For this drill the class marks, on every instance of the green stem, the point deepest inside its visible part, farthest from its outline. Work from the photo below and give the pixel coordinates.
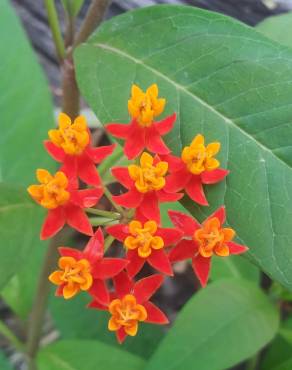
(108, 242)
(55, 28)
(108, 194)
(101, 212)
(8, 334)
(103, 221)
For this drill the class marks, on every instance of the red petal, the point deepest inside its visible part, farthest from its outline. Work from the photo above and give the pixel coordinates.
(195, 191)
(154, 314)
(53, 223)
(159, 260)
(69, 167)
(97, 306)
(121, 335)
(122, 175)
(235, 248)
(131, 199)
(201, 266)
(145, 288)
(55, 152)
(119, 130)
(59, 291)
(86, 198)
(77, 219)
(136, 263)
(185, 223)
(220, 214)
(154, 142)
(100, 153)
(135, 142)
(164, 126)
(212, 177)
(123, 284)
(70, 252)
(169, 236)
(87, 171)
(149, 207)
(174, 163)
(163, 196)
(177, 181)
(99, 292)
(184, 250)
(108, 267)
(119, 232)
(94, 248)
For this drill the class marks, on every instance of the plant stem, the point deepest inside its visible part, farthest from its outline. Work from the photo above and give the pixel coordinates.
(55, 28)
(108, 242)
(101, 212)
(8, 334)
(103, 221)
(93, 18)
(40, 303)
(108, 194)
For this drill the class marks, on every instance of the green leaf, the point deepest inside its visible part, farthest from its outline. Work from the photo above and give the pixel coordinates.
(276, 27)
(224, 79)
(26, 115)
(72, 7)
(4, 364)
(230, 317)
(92, 324)
(89, 355)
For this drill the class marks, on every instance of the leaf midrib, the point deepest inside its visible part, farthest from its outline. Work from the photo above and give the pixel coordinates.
(186, 91)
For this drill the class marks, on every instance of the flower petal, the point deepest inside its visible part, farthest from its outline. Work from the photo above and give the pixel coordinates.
(99, 292)
(95, 247)
(108, 267)
(184, 250)
(56, 153)
(98, 306)
(123, 177)
(119, 130)
(201, 266)
(154, 142)
(163, 196)
(136, 263)
(235, 248)
(119, 232)
(159, 260)
(145, 288)
(135, 142)
(220, 214)
(100, 153)
(121, 335)
(149, 207)
(165, 125)
(86, 198)
(123, 284)
(87, 171)
(212, 177)
(177, 181)
(154, 314)
(77, 219)
(170, 236)
(195, 191)
(131, 199)
(187, 224)
(70, 252)
(53, 223)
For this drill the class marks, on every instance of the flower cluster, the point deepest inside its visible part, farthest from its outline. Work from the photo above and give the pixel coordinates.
(155, 176)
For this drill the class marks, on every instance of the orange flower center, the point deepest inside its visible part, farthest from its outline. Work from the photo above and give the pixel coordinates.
(212, 238)
(126, 313)
(198, 157)
(71, 137)
(51, 193)
(143, 238)
(73, 275)
(147, 176)
(145, 106)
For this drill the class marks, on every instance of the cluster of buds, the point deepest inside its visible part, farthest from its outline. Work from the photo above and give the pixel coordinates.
(154, 177)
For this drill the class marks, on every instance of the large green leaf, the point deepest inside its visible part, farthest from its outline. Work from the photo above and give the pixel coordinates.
(225, 80)
(220, 326)
(89, 355)
(26, 115)
(276, 27)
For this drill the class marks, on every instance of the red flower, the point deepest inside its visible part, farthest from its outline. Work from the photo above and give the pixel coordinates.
(146, 241)
(143, 132)
(130, 304)
(86, 270)
(71, 145)
(64, 202)
(195, 168)
(203, 241)
(146, 186)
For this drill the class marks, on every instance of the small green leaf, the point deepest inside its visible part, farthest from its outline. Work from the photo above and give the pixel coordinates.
(222, 325)
(225, 80)
(85, 354)
(276, 27)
